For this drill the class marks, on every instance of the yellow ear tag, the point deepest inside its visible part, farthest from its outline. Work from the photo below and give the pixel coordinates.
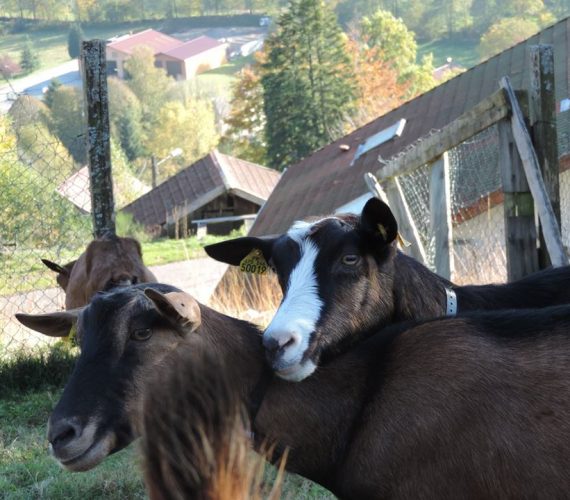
(382, 231)
(403, 242)
(72, 335)
(254, 263)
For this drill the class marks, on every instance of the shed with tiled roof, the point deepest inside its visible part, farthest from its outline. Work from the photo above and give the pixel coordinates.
(216, 187)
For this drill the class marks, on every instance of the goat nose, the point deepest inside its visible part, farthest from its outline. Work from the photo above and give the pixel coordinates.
(283, 341)
(63, 432)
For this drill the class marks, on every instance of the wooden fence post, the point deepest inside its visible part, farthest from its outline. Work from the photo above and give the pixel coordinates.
(440, 217)
(520, 226)
(531, 167)
(94, 69)
(542, 117)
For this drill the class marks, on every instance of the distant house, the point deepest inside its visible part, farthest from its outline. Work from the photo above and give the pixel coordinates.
(216, 194)
(181, 60)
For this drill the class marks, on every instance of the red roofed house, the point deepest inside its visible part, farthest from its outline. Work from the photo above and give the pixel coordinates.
(181, 60)
(218, 192)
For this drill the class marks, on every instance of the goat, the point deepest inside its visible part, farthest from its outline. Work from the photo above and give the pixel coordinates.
(106, 262)
(342, 278)
(63, 272)
(194, 436)
(474, 406)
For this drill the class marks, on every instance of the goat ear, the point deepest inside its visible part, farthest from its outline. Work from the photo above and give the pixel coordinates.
(56, 267)
(234, 251)
(56, 324)
(179, 308)
(378, 219)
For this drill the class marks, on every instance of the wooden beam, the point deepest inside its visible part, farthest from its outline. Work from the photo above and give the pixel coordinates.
(542, 118)
(531, 167)
(518, 205)
(94, 68)
(406, 225)
(440, 217)
(482, 116)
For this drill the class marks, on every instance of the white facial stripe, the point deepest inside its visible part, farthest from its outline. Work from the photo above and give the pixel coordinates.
(300, 310)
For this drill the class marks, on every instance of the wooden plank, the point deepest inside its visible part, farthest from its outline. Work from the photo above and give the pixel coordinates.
(518, 205)
(483, 115)
(94, 67)
(531, 167)
(542, 117)
(440, 217)
(406, 225)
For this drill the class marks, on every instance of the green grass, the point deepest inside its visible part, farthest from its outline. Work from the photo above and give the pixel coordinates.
(27, 472)
(463, 52)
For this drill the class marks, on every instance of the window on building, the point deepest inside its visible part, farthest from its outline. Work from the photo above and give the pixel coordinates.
(173, 68)
(380, 138)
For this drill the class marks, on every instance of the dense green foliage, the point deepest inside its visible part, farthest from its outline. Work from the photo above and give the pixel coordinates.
(74, 39)
(29, 58)
(308, 83)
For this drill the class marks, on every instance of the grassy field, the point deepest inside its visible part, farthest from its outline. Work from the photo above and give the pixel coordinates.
(27, 471)
(463, 52)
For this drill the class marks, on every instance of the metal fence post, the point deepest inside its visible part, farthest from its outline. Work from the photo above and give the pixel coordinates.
(94, 68)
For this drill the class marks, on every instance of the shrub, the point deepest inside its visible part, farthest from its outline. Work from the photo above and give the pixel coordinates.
(8, 67)
(126, 225)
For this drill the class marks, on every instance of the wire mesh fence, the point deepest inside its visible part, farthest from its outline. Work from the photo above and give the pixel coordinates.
(42, 202)
(476, 204)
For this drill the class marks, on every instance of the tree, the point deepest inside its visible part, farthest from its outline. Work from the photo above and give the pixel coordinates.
(8, 67)
(27, 110)
(307, 81)
(189, 126)
(150, 84)
(504, 34)
(379, 88)
(54, 84)
(395, 45)
(67, 121)
(29, 58)
(246, 122)
(125, 114)
(74, 39)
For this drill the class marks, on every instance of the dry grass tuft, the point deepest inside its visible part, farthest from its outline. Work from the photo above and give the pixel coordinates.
(247, 296)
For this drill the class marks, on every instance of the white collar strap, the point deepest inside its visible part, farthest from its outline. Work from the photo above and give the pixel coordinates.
(451, 307)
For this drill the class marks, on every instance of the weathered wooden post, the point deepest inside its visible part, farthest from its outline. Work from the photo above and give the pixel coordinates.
(94, 68)
(531, 166)
(542, 118)
(520, 226)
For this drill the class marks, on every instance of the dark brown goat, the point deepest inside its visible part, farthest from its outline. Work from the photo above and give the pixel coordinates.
(194, 436)
(343, 278)
(466, 407)
(106, 262)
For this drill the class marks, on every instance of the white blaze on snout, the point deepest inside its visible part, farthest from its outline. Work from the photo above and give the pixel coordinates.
(298, 314)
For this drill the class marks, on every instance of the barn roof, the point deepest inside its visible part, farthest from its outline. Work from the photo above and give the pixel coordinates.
(156, 41)
(202, 182)
(192, 48)
(333, 176)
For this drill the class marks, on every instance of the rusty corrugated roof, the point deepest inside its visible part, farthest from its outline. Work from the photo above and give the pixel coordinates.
(324, 180)
(200, 183)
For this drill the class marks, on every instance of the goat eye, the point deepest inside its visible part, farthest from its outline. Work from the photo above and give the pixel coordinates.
(350, 260)
(141, 334)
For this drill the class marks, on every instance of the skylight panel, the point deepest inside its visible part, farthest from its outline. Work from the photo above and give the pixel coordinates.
(380, 138)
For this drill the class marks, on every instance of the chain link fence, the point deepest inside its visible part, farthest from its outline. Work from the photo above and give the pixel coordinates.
(43, 196)
(477, 211)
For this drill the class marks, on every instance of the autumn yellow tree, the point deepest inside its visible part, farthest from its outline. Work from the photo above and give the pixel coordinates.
(379, 88)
